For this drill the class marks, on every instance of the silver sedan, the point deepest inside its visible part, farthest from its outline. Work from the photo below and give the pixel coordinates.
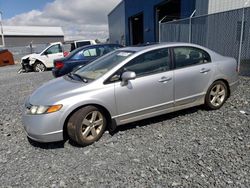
(128, 85)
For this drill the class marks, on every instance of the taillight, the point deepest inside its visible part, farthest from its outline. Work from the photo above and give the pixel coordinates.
(58, 64)
(65, 53)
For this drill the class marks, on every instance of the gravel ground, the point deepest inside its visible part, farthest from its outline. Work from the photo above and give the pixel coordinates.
(191, 148)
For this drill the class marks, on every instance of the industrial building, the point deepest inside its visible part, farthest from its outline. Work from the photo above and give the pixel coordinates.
(25, 35)
(136, 21)
(215, 6)
(133, 22)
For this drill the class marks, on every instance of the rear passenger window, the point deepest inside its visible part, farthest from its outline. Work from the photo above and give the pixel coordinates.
(149, 63)
(90, 53)
(94, 52)
(188, 56)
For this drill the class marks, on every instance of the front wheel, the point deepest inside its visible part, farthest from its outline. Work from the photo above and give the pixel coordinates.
(39, 67)
(216, 95)
(86, 125)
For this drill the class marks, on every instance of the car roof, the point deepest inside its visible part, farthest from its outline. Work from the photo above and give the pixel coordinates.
(147, 46)
(84, 41)
(92, 45)
(53, 43)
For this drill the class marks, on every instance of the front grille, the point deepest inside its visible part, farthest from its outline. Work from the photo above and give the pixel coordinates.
(25, 61)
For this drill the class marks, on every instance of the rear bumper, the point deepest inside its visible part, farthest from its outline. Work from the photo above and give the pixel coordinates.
(55, 73)
(58, 73)
(233, 86)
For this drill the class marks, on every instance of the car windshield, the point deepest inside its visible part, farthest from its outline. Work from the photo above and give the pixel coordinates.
(39, 48)
(99, 67)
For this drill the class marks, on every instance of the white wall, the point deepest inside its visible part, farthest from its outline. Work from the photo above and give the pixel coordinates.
(215, 6)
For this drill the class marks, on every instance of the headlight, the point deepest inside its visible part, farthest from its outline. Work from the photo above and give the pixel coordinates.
(32, 58)
(44, 109)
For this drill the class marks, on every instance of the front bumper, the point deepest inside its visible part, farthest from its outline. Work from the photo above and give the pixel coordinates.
(43, 128)
(26, 66)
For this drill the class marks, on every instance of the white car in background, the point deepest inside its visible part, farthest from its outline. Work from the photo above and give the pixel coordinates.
(39, 62)
(80, 43)
(42, 61)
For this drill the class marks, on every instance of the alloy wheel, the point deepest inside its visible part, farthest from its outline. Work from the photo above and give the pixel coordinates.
(217, 95)
(40, 67)
(92, 125)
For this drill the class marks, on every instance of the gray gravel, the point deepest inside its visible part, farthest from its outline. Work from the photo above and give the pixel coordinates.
(191, 148)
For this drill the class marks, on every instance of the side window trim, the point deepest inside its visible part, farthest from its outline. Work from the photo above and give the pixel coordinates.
(119, 71)
(166, 61)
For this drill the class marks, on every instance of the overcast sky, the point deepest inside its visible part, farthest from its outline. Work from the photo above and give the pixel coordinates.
(80, 19)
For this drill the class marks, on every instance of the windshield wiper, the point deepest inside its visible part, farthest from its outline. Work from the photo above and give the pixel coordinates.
(72, 75)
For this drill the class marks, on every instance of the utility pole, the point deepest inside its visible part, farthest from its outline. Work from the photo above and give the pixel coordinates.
(242, 33)
(1, 15)
(190, 27)
(160, 27)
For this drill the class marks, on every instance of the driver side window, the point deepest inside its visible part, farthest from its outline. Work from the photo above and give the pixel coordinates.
(152, 62)
(54, 49)
(149, 63)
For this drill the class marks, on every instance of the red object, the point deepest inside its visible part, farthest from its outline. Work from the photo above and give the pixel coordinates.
(6, 58)
(58, 64)
(65, 53)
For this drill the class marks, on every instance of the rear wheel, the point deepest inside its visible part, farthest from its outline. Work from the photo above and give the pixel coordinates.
(39, 67)
(216, 95)
(86, 125)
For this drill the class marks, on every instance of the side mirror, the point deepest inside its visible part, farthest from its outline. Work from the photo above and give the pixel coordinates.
(126, 76)
(45, 53)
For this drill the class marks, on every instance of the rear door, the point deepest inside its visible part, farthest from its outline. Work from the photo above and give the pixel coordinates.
(192, 75)
(151, 93)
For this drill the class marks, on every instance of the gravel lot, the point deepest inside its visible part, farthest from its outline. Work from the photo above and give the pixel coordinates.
(191, 148)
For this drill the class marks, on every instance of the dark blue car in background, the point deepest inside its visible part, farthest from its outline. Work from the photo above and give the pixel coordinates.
(80, 57)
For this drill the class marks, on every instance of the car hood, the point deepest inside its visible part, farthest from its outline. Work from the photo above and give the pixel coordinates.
(30, 55)
(55, 90)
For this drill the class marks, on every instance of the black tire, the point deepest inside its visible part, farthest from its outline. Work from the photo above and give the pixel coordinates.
(216, 95)
(83, 128)
(39, 67)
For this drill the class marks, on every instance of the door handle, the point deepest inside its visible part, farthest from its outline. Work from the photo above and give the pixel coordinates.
(164, 79)
(204, 70)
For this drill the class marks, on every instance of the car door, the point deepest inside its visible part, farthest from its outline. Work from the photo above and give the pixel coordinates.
(151, 93)
(52, 53)
(192, 75)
